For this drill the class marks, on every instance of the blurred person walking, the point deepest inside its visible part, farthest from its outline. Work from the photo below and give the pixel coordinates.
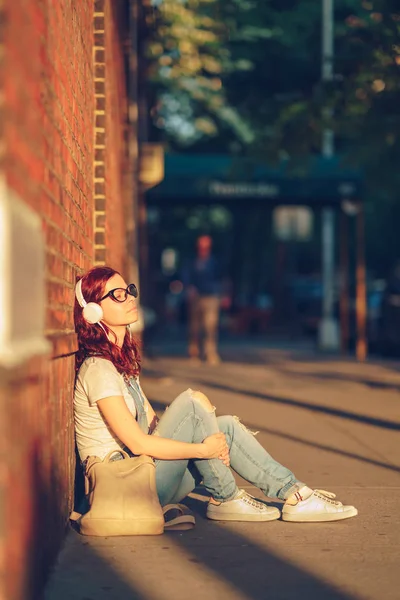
(202, 277)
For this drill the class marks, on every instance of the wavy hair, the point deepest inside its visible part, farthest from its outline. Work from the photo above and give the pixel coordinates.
(92, 339)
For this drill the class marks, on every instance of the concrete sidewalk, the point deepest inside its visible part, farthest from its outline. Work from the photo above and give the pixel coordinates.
(336, 424)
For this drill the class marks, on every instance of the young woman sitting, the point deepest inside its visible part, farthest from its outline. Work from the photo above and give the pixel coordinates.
(189, 443)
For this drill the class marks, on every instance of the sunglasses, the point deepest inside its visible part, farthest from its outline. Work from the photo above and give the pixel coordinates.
(121, 294)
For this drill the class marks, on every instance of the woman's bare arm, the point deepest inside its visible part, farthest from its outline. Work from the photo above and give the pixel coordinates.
(126, 428)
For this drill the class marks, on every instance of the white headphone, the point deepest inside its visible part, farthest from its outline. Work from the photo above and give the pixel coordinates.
(92, 312)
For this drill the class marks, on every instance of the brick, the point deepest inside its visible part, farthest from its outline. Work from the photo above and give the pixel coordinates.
(99, 56)
(99, 23)
(100, 204)
(99, 171)
(99, 155)
(100, 238)
(100, 138)
(100, 121)
(99, 255)
(99, 71)
(100, 221)
(99, 188)
(100, 103)
(100, 87)
(99, 39)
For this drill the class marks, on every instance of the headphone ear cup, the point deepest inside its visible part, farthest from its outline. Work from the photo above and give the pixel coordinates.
(92, 313)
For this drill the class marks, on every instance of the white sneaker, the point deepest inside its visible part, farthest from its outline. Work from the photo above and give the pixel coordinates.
(319, 506)
(242, 507)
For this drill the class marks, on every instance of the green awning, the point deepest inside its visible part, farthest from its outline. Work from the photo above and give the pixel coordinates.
(205, 178)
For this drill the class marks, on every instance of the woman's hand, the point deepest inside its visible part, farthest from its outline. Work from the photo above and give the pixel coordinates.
(225, 457)
(216, 447)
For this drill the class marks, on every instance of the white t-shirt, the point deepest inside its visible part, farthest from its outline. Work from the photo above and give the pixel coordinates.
(97, 379)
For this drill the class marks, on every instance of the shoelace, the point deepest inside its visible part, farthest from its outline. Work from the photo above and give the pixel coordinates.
(327, 497)
(251, 501)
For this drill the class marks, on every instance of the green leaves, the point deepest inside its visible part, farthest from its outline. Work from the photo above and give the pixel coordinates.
(192, 51)
(248, 73)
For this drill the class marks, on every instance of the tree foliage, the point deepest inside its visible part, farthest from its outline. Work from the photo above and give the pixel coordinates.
(367, 107)
(191, 54)
(244, 76)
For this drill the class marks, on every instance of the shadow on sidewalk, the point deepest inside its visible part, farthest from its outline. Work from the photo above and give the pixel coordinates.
(371, 383)
(81, 574)
(254, 571)
(303, 442)
(335, 412)
(232, 558)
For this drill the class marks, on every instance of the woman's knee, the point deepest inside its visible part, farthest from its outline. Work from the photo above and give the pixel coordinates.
(203, 400)
(191, 397)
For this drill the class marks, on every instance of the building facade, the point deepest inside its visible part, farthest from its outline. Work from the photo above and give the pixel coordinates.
(68, 163)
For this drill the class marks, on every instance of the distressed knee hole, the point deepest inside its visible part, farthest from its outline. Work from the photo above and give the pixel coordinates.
(239, 422)
(203, 400)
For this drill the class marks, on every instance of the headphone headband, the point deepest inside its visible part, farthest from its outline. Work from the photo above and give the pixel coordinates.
(79, 294)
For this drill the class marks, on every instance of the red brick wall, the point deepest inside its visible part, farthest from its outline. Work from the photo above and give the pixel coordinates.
(113, 190)
(48, 135)
(56, 89)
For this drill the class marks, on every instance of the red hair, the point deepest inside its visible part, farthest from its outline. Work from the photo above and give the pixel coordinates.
(92, 339)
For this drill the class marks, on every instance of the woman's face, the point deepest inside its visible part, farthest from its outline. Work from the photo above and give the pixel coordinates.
(118, 313)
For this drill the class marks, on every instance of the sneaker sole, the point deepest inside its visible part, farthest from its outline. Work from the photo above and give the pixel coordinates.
(243, 517)
(320, 518)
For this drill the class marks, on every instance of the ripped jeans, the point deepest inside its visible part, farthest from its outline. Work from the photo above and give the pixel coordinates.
(186, 420)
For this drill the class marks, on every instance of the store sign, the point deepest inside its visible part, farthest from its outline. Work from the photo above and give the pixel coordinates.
(243, 190)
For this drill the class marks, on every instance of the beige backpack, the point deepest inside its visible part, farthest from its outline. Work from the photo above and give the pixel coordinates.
(122, 497)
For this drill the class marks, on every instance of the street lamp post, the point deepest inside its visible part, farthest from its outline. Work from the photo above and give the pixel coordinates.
(328, 331)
